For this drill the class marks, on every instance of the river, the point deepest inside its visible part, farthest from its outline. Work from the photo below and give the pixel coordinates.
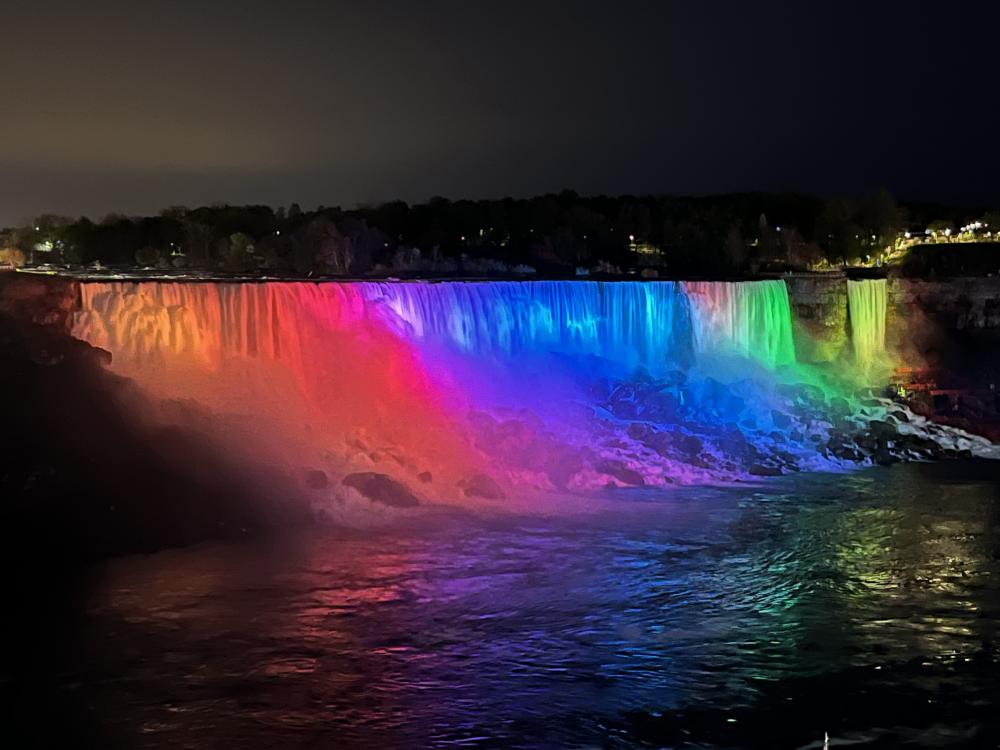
(863, 605)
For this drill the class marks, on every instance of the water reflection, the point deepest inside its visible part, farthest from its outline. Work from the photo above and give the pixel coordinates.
(863, 605)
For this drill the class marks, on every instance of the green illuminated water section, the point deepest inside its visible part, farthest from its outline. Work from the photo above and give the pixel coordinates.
(866, 301)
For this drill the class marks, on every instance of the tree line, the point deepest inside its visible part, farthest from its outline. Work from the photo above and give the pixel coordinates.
(555, 233)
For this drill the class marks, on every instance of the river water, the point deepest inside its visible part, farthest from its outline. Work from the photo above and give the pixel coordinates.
(864, 606)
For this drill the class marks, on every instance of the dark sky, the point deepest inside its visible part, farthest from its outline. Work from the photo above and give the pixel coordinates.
(130, 107)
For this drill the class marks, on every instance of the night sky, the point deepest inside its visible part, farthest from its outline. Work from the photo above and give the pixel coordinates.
(130, 107)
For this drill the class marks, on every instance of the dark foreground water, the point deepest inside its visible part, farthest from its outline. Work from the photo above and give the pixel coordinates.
(865, 606)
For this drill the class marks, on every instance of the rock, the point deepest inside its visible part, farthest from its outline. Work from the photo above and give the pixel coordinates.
(781, 420)
(933, 450)
(689, 445)
(811, 395)
(381, 488)
(660, 406)
(884, 457)
(839, 406)
(675, 377)
(866, 441)
(481, 485)
(640, 431)
(641, 375)
(716, 394)
(623, 402)
(426, 477)
(882, 429)
(621, 472)
(663, 442)
(317, 480)
(759, 470)
(900, 416)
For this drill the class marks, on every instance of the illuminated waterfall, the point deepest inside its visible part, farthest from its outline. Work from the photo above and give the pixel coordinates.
(655, 324)
(150, 322)
(866, 304)
(310, 366)
(629, 323)
(534, 381)
(750, 319)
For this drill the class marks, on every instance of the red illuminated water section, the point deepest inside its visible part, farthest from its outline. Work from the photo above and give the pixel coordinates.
(310, 374)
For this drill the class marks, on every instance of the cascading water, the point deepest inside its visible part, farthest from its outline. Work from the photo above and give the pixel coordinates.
(747, 319)
(866, 304)
(629, 323)
(536, 382)
(313, 369)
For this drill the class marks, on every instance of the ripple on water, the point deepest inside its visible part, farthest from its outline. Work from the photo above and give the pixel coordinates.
(863, 605)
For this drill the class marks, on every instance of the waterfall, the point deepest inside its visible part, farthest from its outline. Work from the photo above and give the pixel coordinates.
(149, 322)
(630, 323)
(750, 319)
(315, 369)
(534, 381)
(655, 324)
(866, 304)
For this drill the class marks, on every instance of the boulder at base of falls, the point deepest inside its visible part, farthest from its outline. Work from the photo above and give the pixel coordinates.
(621, 472)
(380, 488)
(481, 485)
(882, 429)
(884, 456)
(759, 470)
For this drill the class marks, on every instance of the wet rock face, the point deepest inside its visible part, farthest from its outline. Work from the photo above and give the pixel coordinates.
(621, 472)
(481, 485)
(726, 429)
(646, 430)
(881, 429)
(819, 307)
(381, 488)
(96, 465)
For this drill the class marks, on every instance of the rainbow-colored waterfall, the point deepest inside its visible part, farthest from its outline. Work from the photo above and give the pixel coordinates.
(547, 384)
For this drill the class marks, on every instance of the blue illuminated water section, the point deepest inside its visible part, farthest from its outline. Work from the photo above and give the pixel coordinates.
(655, 324)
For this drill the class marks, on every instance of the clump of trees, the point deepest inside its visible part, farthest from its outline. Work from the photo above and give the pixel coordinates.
(558, 233)
(12, 256)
